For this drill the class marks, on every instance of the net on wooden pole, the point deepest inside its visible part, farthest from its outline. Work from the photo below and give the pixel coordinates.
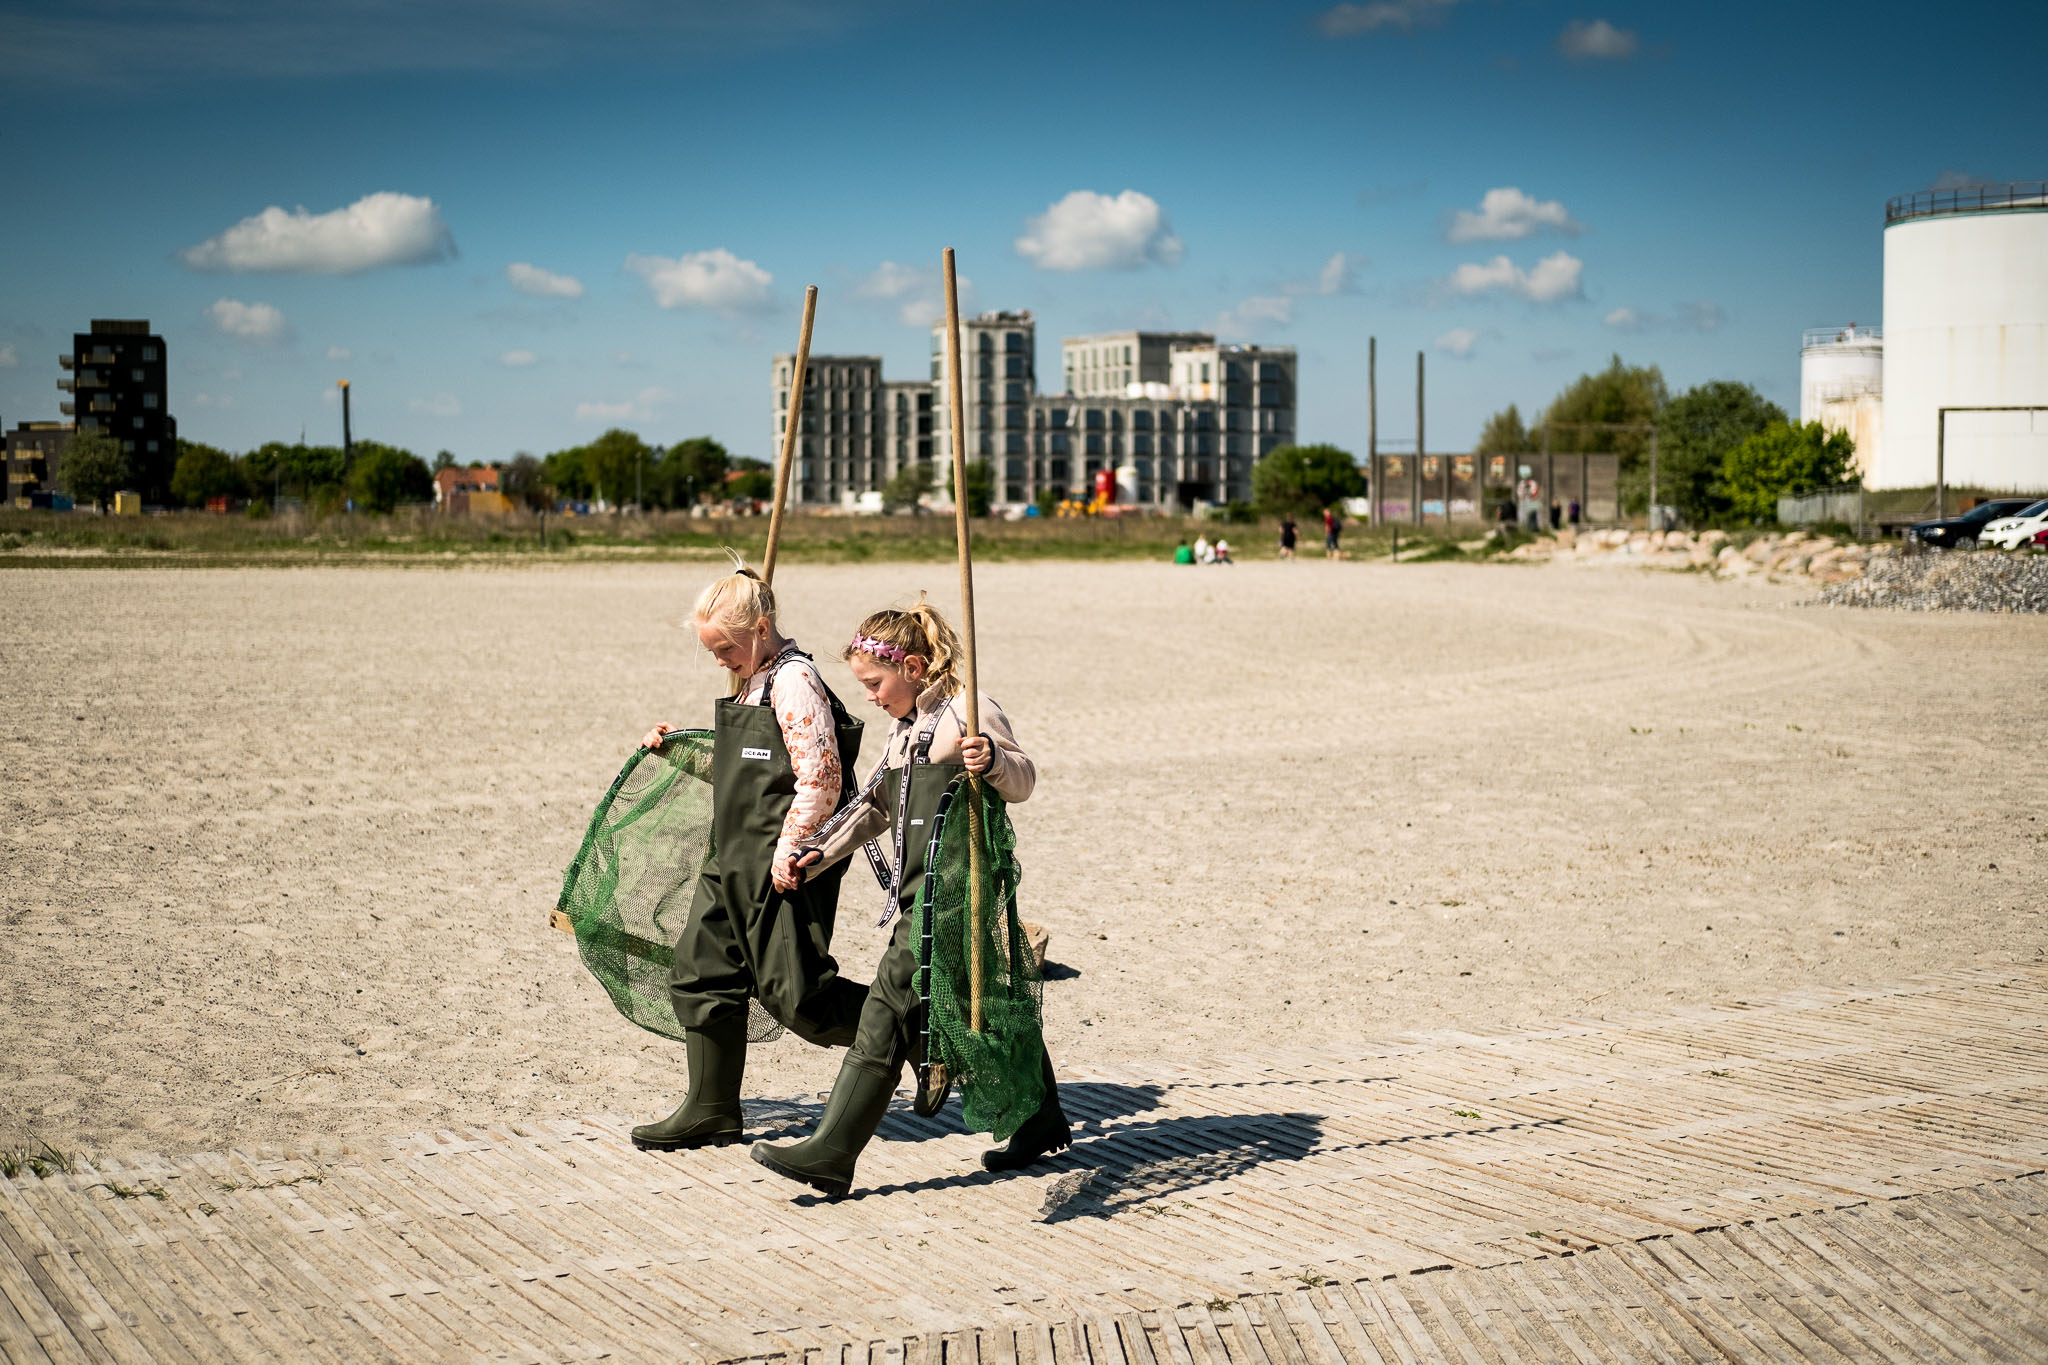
(997, 1065)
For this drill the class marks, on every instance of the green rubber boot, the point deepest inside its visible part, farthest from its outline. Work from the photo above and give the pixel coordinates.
(1044, 1133)
(824, 1160)
(709, 1115)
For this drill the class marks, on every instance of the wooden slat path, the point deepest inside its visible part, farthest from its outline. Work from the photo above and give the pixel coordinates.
(1837, 1175)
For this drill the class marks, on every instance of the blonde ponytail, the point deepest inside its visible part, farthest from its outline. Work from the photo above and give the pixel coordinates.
(736, 603)
(918, 630)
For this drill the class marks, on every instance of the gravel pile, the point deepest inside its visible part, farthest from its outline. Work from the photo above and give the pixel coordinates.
(1947, 580)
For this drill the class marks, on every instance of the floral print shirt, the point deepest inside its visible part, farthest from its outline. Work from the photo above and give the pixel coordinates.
(804, 715)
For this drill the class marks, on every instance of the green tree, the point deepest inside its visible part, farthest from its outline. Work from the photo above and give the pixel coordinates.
(203, 472)
(384, 476)
(617, 463)
(444, 460)
(981, 487)
(94, 468)
(1048, 500)
(692, 471)
(563, 471)
(1785, 457)
(1620, 393)
(909, 484)
(1695, 433)
(524, 482)
(1305, 479)
(1504, 434)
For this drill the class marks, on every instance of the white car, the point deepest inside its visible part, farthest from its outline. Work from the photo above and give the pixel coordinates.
(2010, 533)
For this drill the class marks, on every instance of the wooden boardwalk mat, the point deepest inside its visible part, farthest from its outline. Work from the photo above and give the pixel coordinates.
(1838, 1175)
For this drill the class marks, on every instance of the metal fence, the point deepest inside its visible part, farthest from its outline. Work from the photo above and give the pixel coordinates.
(1843, 504)
(2019, 194)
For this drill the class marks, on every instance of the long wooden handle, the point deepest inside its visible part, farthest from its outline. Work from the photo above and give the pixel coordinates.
(793, 419)
(971, 709)
(972, 700)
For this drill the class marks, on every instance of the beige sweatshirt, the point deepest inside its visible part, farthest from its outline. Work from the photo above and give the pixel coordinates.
(1011, 771)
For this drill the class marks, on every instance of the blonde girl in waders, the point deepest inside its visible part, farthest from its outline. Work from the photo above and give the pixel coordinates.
(904, 661)
(782, 762)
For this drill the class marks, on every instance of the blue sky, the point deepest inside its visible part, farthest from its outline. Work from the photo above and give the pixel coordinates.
(297, 192)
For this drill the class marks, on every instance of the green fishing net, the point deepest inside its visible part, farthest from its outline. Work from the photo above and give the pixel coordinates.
(628, 891)
(997, 1066)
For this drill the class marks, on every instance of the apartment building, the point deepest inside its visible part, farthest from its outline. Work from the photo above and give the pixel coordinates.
(118, 387)
(1176, 417)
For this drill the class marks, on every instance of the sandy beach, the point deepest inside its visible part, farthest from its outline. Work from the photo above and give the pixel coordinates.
(280, 844)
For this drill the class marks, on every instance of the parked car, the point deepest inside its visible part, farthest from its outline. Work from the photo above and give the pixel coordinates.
(1963, 530)
(2009, 533)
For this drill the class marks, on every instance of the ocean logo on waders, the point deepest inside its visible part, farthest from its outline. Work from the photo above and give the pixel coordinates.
(755, 753)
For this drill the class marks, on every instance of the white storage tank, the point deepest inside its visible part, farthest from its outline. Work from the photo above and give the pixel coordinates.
(1837, 363)
(1966, 324)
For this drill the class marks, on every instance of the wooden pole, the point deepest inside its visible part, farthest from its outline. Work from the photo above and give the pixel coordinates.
(971, 707)
(792, 419)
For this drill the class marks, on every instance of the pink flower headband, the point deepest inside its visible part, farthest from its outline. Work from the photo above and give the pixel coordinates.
(868, 645)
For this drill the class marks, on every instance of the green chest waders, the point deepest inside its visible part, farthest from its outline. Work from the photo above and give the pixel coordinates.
(745, 939)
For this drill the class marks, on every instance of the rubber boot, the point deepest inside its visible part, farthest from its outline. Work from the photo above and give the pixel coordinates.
(1044, 1133)
(824, 1160)
(709, 1115)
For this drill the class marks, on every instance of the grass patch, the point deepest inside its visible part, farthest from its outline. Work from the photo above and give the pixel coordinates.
(40, 1161)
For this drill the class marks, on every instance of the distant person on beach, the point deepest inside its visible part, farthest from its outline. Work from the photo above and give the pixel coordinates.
(1287, 537)
(1182, 554)
(1571, 514)
(1333, 527)
(1223, 551)
(1205, 553)
(1556, 515)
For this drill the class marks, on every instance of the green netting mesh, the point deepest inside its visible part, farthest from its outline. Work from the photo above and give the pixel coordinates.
(998, 1066)
(628, 891)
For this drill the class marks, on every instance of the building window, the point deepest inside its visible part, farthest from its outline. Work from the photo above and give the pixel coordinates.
(1141, 421)
(1013, 341)
(1013, 444)
(149, 400)
(149, 353)
(1094, 444)
(1141, 443)
(1094, 419)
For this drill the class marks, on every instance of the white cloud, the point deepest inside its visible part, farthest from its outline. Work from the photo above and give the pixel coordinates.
(1596, 40)
(1338, 276)
(517, 360)
(440, 405)
(209, 400)
(1348, 21)
(1507, 215)
(918, 292)
(1270, 310)
(1459, 342)
(249, 321)
(339, 353)
(546, 284)
(377, 230)
(8, 359)
(1090, 231)
(1550, 280)
(1701, 315)
(715, 279)
(642, 407)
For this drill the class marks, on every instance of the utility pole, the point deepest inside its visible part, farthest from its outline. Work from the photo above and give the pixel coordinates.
(1372, 426)
(348, 445)
(1420, 445)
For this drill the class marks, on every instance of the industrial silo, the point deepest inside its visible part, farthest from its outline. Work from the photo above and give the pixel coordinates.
(1966, 326)
(1841, 386)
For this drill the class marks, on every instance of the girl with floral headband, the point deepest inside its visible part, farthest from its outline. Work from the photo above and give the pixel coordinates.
(905, 663)
(782, 762)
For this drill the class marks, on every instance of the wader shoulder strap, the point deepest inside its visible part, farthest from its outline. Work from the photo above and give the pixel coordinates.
(920, 755)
